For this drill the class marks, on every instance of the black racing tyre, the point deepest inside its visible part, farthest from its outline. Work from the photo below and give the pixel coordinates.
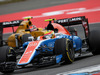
(4, 51)
(94, 42)
(25, 37)
(65, 47)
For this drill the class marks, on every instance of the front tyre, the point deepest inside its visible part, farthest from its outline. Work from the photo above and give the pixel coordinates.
(65, 47)
(7, 59)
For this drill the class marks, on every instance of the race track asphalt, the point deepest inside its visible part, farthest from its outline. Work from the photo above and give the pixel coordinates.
(81, 62)
(31, 4)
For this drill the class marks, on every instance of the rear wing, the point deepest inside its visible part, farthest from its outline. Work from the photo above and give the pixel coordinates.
(11, 23)
(8, 24)
(75, 21)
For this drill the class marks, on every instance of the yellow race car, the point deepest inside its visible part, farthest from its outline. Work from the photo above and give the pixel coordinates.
(26, 31)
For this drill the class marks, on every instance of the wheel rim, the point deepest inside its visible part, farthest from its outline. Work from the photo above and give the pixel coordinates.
(71, 52)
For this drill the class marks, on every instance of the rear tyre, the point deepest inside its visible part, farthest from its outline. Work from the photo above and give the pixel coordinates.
(4, 51)
(94, 42)
(65, 47)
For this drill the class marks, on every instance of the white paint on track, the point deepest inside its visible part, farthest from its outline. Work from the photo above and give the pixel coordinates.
(82, 70)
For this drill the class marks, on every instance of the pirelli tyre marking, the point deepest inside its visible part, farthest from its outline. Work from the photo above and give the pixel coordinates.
(69, 51)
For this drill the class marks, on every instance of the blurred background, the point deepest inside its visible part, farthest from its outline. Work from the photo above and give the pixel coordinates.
(59, 9)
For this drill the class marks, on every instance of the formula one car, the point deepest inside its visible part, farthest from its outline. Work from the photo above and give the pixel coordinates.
(55, 44)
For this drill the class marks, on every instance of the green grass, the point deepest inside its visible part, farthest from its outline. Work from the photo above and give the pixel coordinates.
(9, 1)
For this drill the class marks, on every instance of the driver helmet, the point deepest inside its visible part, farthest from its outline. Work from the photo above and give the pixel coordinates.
(32, 28)
(49, 34)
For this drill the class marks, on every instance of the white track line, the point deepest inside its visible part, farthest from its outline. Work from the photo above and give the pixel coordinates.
(82, 70)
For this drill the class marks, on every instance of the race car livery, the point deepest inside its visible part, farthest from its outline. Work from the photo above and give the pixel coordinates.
(46, 46)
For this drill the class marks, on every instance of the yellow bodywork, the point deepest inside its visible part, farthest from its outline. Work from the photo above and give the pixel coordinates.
(21, 31)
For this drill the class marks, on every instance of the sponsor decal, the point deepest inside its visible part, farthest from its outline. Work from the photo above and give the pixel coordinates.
(75, 19)
(29, 53)
(12, 22)
(33, 44)
(68, 20)
(62, 21)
